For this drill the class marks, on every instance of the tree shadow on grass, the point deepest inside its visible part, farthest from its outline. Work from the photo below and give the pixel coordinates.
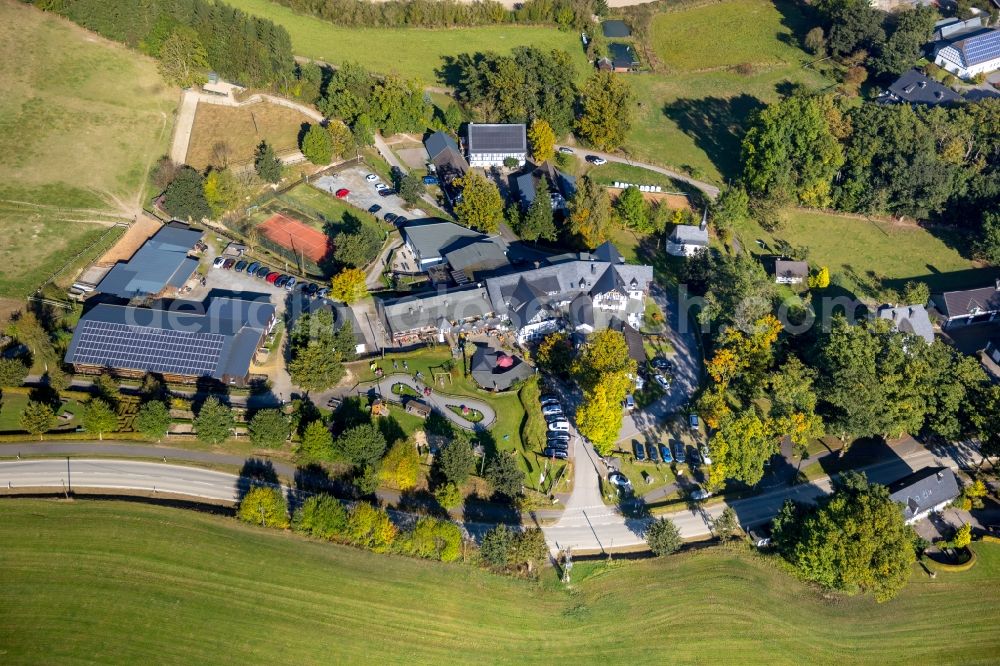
(717, 126)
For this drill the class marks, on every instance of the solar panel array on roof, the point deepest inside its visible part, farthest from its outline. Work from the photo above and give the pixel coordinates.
(497, 138)
(981, 48)
(115, 345)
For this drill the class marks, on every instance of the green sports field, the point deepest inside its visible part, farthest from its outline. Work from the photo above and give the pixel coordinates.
(409, 52)
(110, 582)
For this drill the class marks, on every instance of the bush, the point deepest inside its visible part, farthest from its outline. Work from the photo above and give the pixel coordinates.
(496, 547)
(265, 506)
(269, 428)
(432, 538)
(448, 495)
(663, 537)
(321, 516)
(400, 468)
(370, 527)
(12, 372)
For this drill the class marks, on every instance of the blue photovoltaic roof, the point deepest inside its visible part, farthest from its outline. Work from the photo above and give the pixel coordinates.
(115, 345)
(981, 48)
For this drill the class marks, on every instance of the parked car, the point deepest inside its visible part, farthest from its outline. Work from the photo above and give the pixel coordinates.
(342, 193)
(290, 283)
(374, 208)
(311, 288)
(559, 426)
(552, 410)
(559, 444)
(665, 454)
(546, 397)
(385, 192)
(272, 277)
(390, 217)
(620, 481)
(218, 261)
(652, 453)
(629, 402)
(566, 149)
(252, 268)
(760, 536)
(263, 272)
(661, 363)
(555, 453)
(229, 264)
(679, 454)
(663, 382)
(240, 266)
(371, 178)
(703, 453)
(700, 494)
(564, 436)
(595, 160)
(280, 282)
(693, 421)
(430, 180)
(639, 451)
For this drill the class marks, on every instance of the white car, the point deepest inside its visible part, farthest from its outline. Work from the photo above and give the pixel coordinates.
(629, 402)
(381, 186)
(621, 481)
(565, 149)
(663, 382)
(371, 178)
(552, 410)
(559, 426)
(218, 261)
(705, 459)
(700, 494)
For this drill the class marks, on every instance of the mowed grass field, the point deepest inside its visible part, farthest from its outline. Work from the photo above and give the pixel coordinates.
(241, 130)
(866, 252)
(81, 121)
(409, 52)
(693, 113)
(114, 582)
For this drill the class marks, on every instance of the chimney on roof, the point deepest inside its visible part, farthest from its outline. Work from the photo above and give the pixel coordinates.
(593, 269)
(940, 475)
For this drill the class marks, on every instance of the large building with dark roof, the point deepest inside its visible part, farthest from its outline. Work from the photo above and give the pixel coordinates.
(185, 343)
(490, 145)
(436, 242)
(160, 264)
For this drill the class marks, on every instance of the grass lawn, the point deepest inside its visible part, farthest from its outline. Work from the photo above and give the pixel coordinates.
(319, 203)
(12, 404)
(242, 129)
(409, 52)
(863, 255)
(692, 112)
(612, 172)
(81, 121)
(506, 430)
(117, 582)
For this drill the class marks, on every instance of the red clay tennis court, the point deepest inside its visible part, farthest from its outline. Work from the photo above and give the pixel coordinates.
(296, 236)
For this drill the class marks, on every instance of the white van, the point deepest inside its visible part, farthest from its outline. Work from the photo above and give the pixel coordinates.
(559, 426)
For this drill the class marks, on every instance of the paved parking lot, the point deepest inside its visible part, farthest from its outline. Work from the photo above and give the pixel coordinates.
(363, 194)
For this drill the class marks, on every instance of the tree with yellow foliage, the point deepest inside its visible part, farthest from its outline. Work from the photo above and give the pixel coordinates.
(542, 140)
(349, 285)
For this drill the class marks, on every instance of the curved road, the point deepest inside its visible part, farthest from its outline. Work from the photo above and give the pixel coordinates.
(711, 191)
(441, 401)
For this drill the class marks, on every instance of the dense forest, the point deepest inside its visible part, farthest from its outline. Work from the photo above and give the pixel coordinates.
(448, 13)
(243, 48)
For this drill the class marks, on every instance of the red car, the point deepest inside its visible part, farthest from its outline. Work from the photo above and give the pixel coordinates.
(271, 277)
(342, 193)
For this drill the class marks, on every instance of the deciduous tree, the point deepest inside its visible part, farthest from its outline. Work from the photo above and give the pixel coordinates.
(455, 461)
(316, 445)
(400, 468)
(317, 145)
(481, 206)
(269, 428)
(12, 371)
(362, 445)
(505, 476)
(741, 447)
(183, 60)
(632, 209)
(99, 418)
(37, 418)
(153, 419)
(349, 285)
(370, 527)
(606, 103)
(411, 188)
(265, 506)
(214, 422)
(542, 140)
(321, 516)
(184, 198)
(590, 218)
